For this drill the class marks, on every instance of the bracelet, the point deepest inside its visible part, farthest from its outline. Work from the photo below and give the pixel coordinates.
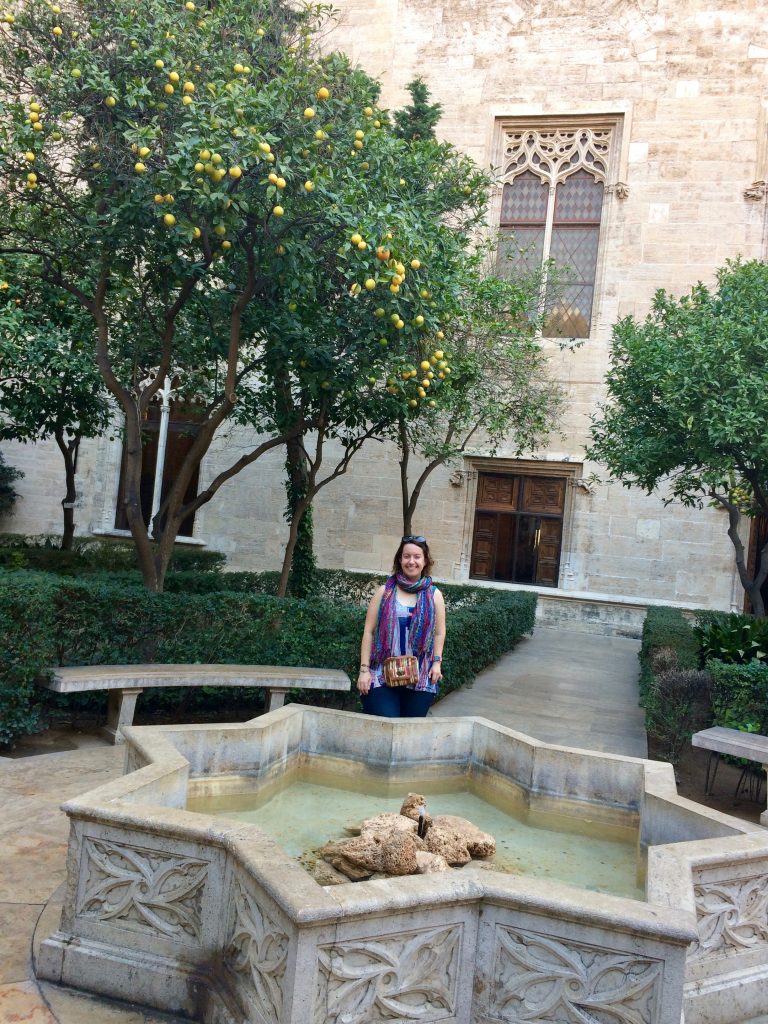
(365, 666)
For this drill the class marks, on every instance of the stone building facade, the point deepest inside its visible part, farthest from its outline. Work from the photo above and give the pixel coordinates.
(629, 138)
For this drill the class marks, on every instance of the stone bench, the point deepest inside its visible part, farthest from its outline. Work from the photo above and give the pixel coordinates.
(126, 682)
(748, 745)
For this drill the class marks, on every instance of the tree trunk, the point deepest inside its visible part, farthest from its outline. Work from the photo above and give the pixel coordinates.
(405, 454)
(755, 589)
(68, 451)
(301, 507)
(416, 494)
(752, 586)
(303, 564)
(131, 499)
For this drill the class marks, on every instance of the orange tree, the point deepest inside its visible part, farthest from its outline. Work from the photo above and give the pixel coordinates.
(234, 212)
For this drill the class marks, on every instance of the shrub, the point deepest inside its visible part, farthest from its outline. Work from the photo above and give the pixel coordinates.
(732, 638)
(677, 705)
(112, 619)
(8, 493)
(336, 585)
(669, 629)
(26, 630)
(740, 695)
(88, 555)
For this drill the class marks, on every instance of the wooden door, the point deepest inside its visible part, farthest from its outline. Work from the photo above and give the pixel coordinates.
(518, 528)
(548, 552)
(484, 545)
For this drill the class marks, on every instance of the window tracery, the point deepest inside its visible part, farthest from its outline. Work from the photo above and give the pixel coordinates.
(554, 179)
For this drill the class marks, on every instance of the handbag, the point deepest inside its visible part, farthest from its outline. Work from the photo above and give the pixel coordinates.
(401, 671)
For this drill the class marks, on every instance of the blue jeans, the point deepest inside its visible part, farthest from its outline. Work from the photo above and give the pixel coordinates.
(397, 702)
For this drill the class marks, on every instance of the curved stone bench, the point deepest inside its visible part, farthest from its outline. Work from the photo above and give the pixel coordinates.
(126, 682)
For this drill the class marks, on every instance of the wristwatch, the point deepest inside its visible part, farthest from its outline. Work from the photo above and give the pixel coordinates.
(438, 657)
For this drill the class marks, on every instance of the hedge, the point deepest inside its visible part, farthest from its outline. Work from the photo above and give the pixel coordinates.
(740, 695)
(110, 619)
(43, 552)
(668, 629)
(338, 585)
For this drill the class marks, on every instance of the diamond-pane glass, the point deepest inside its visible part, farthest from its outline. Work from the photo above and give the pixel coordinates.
(579, 199)
(574, 250)
(524, 201)
(570, 314)
(521, 252)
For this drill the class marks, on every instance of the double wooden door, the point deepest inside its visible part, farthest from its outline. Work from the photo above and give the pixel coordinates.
(518, 528)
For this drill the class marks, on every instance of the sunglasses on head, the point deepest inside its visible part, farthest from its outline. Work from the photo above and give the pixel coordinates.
(412, 539)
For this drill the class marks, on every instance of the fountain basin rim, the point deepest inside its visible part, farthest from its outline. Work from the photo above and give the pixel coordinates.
(305, 902)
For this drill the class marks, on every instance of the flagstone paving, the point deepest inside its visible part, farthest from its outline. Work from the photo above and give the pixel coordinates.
(573, 689)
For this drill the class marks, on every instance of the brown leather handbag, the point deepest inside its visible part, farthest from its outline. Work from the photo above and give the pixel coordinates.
(401, 671)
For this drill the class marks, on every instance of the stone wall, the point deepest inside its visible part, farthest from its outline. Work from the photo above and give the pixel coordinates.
(688, 85)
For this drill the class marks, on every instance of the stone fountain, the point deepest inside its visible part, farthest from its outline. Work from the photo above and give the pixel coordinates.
(210, 918)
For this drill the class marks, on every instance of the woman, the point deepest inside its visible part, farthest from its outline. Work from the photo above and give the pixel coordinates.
(405, 616)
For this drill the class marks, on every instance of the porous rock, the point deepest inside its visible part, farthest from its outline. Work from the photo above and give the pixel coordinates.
(357, 858)
(412, 804)
(429, 863)
(449, 843)
(399, 851)
(388, 822)
(479, 843)
(361, 856)
(325, 874)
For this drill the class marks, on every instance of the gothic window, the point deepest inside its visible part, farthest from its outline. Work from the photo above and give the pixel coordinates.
(553, 182)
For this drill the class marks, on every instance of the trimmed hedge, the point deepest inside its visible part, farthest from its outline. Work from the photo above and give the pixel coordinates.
(336, 585)
(666, 628)
(673, 692)
(18, 551)
(740, 695)
(110, 619)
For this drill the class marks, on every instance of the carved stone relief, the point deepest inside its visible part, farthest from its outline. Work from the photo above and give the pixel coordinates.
(553, 154)
(221, 1015)
(410, 976)
(540, 978)
(257, 950)
(732, 915)
(142, 889)
(756, 191)
(620, 189)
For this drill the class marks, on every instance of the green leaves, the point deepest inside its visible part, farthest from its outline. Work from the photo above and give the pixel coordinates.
(688, 401)
(687, 395)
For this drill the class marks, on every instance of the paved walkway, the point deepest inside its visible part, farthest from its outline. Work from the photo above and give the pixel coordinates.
(574, 689)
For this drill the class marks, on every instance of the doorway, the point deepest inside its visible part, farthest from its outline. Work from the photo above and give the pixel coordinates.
(518, 528)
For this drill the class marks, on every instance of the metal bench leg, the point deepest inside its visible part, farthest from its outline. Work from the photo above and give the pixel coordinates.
(712, 765)
(120, 711)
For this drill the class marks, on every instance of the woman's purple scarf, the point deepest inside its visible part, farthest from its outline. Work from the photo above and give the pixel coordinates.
(422, 628)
